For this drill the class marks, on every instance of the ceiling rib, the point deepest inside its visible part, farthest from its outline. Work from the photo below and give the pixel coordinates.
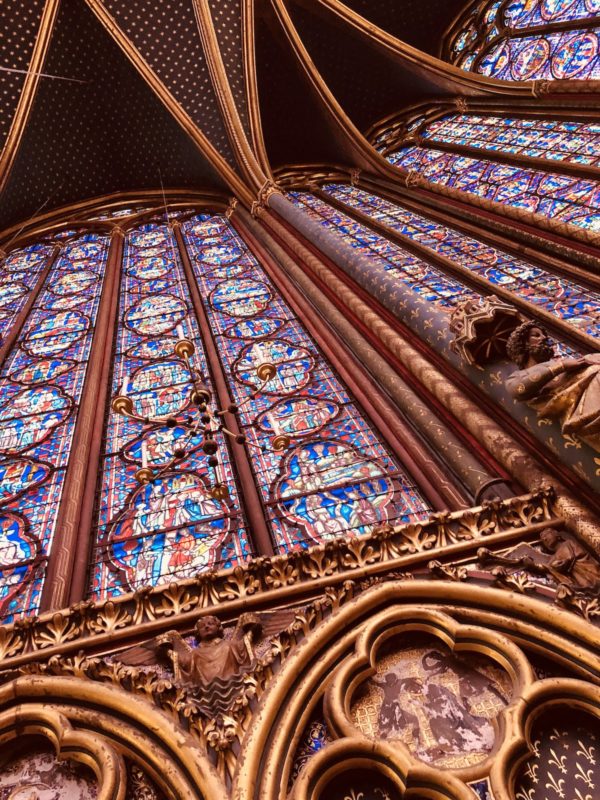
(32, 79)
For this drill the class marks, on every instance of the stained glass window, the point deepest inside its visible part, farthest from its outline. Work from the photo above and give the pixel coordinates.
(560, 197)
(40, 388)
(524, 40)
(170, 528)
(20, 272)
(555, 140)
(337, 477)
(562, 297)
(423, 278)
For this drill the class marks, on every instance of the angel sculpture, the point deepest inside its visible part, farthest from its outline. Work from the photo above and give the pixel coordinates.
(217, 664)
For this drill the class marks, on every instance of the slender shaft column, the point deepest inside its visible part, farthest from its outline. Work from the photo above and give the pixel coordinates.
(401, 439)
(557, 326)
(430, 324)
(67, 565)
(471, 473)
(250, 497)
(19, 321)
(516, 460)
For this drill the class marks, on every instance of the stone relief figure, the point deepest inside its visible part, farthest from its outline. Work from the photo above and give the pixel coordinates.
(214, 667)
(567, 389)
(214, 656)
(563, 560)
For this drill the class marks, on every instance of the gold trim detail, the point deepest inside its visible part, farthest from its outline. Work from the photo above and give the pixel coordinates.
(300, 574)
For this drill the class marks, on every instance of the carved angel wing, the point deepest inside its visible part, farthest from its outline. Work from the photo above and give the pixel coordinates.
(153, 652)
(274, 622)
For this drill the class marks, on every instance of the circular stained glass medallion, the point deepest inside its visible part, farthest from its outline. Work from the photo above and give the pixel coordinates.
(9, 292)
(575, 55)
(55, 333)
(27, 417)
(530, 60)
(241, 298)
(155, 314)
(73, 282)
(219, 255)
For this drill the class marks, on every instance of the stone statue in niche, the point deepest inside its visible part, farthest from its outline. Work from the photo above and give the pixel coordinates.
(563, 560)
(440, 705)
(567, 389)
(214, 667)
(482, 328)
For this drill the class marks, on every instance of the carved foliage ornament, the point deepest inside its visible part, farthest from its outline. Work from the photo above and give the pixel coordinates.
(338, 561)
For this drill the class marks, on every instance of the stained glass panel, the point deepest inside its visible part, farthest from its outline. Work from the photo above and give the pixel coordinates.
(559, 197)
(423, 278)
(527, 13)
(170, 528)
(337, 477)
(40, 386)
(19, 273)
(493, 40)
(555, 140)
(562, 55)
(560, 296)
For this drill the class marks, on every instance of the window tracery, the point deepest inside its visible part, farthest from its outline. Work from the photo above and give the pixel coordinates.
(523, 40)
(428, 281)
(553, 140)
(21, 269)
(337, 478)
(41, 383)
(170, 528)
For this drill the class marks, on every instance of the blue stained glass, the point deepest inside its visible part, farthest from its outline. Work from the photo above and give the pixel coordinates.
(170, 528)
(560, 296)
(549, 52)
(527, 13)
(336, 478)
(40, 385)
(562, 55)
(424, 279)
(20, 271)
(556, 140)
(560, 197)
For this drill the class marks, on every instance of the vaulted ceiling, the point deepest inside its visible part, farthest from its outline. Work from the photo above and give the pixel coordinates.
(107, 96)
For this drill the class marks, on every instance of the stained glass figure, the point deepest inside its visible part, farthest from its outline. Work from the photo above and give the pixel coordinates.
(564, 198)
(336, 478)
(554, 140)
(574, 303)
(40, 389)
(523, 40)
(170, 528)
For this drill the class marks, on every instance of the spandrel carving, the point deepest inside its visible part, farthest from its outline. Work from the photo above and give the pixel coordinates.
(559, 559)
(213, 666)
